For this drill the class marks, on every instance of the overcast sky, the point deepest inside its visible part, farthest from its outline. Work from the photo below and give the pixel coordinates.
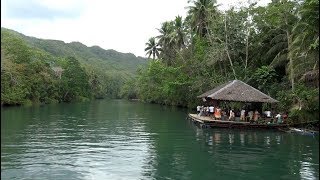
(124, 26)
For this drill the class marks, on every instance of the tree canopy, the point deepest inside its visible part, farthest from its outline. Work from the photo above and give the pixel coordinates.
(274, 48)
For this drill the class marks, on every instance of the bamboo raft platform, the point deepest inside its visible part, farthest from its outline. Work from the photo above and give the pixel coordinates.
(251, 98)
(206, 121)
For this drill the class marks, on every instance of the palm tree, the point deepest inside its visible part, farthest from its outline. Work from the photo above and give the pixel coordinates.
(285, 12)
(152, 48)
(305, 45)
(166, 37)
(198, 15)
(179, 33)
(167, 41)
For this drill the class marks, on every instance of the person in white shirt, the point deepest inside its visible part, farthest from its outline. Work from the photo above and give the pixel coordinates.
(268, 113)
(242, 115)
(279, 117)
(198, 108)
(231, 116)
(211, 110)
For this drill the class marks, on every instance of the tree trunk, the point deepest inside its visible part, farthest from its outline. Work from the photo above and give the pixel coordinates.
(226, 47)
(247, 54)
(290, 58)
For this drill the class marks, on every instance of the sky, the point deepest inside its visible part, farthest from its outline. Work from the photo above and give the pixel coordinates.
(124, 26)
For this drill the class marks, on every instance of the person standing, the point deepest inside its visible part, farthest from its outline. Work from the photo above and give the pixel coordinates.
(285, 116)
(198, 109)
(211, 110)
(217, 113)
(279, 117)
(250, 114)
(268, 114)
(256, 115)
(201, 113)
(231, 115)
(242, 115)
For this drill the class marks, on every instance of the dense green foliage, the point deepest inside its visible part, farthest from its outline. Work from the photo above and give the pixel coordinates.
(46, 71)
(272, 48)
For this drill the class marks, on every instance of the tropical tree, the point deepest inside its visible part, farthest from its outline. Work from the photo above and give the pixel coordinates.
(305, 44)
(75, 81)
(179, 33)
(167, 41)
(282, 15)
(152, 48)
(198, 15)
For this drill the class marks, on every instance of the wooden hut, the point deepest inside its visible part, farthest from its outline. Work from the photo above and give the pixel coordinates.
(237, 91)
(234, 91)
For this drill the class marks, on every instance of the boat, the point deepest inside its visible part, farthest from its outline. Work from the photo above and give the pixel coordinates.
(209, 122)
(303, 131)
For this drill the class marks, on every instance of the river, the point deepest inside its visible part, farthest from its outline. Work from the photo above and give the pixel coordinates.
(118, 139)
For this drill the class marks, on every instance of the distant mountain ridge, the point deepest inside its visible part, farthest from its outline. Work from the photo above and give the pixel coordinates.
(111, 61)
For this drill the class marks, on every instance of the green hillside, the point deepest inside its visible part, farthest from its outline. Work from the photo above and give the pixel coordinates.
(110, 61)
(44, 71)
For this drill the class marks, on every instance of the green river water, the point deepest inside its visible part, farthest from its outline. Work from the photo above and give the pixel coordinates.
(118, 139)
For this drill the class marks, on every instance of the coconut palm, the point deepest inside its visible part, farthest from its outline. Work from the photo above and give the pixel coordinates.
(179, 33)
(199, 15)
(152, 48)
(285, 13)
(167, 42)
(166, 38)
(305, 45)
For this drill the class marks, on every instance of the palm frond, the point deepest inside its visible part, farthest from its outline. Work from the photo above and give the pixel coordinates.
(279, 38)
(277, 48)
(279, 59)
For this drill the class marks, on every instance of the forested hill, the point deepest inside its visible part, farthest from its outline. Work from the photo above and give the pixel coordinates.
(37, 71)
(110, 60)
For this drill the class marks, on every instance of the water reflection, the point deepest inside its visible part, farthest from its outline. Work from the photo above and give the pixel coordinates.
(267, 141)
(67, 142)
(278, 139)
(123, 140)
(307, 171)
(242, 138)
(248, 148)
(217, 138)
(231, 138)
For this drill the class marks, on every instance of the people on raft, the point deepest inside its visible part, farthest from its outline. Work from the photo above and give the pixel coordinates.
(279, 118)
(231, 115)
(217, 113)
(244, 114)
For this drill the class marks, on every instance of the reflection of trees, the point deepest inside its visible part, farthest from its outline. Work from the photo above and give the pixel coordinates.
(162, 140)
(172, 154)
(206, 153)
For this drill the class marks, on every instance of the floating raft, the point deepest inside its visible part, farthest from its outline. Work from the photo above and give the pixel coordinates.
(205, 121)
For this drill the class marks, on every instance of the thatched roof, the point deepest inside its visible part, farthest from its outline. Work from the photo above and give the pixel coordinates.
(237, 91)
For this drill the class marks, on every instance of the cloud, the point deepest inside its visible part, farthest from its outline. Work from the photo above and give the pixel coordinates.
(122, 25)
(42, 9)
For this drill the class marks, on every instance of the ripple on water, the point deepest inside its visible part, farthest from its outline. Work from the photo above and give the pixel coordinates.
(106, 140)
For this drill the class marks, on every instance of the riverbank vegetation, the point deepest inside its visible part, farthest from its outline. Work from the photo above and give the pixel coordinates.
(37, 71)
(274, 48)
